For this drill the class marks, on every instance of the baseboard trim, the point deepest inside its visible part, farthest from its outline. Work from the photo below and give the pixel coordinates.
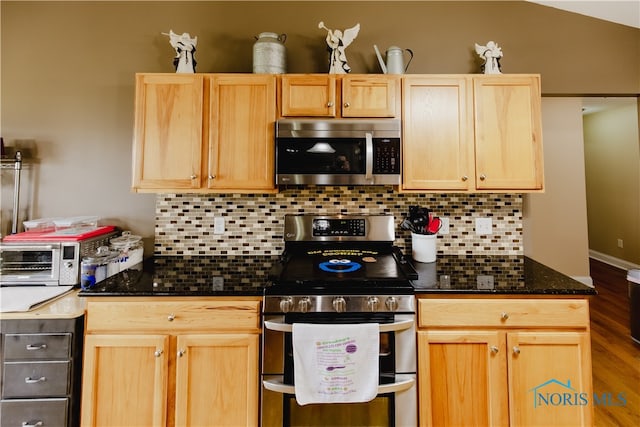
(611, 260)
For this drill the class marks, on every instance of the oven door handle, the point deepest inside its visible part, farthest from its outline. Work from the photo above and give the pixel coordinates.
(273, 384)
(368, 167)
(384, 327)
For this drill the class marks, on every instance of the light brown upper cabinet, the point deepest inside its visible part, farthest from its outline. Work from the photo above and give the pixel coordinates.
(331, 95)
(167, 145)
(508, 132)
(437, 134)
(472, 133)
(204, 133)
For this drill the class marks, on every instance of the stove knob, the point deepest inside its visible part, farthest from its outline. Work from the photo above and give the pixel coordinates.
(373, 303)
(339, 304)
(391, 303)
(304, 304)
(286, 304)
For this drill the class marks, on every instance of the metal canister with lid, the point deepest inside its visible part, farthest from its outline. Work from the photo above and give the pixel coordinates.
(97, 266)
(130, 248)
(269, 54)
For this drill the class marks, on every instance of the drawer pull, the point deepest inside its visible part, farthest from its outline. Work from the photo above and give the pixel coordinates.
(157, 353)
(504, 316)
(30, 380)
(516, 350)
(171, 317)
(494, 349)
(31, 347)
(32, 423)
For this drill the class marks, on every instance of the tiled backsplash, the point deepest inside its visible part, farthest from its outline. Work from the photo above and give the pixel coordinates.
(254, 222)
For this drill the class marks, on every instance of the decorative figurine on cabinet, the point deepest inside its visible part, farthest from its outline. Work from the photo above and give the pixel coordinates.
(491, 54)
(337, 42)
(185, 47)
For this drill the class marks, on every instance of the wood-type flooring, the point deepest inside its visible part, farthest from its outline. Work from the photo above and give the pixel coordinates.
(615, 356)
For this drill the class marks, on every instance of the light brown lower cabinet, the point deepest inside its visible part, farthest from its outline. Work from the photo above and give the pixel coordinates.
(171, 362)
(504, 362)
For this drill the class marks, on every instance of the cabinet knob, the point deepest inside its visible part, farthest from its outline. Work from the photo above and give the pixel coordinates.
(157, 353)
(464, 178)
(194, 176)
(516, 350)
(346, 105)
(330, 104)
(504, 316)
(181, 353)
(483, 177)
(494, 349)
(171, 317)
(212, 177)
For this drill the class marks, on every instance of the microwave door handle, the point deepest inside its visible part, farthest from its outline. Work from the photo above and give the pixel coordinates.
(368, 156)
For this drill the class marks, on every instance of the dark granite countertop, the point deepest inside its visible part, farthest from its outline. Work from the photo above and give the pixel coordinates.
(244, 275)
(493, 275)
(240, 275)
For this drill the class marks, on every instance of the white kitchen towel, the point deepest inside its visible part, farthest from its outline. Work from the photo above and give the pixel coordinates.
(335, 363)
(24, 298)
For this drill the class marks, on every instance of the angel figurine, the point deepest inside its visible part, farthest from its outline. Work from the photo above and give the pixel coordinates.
(491, 54)
(185, 47)
(337, 43)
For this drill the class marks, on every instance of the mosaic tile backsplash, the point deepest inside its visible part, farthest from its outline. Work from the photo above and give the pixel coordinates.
(254, 222)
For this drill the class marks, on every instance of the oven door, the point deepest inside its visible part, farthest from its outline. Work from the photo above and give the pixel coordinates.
(395, 404)
(24, 264)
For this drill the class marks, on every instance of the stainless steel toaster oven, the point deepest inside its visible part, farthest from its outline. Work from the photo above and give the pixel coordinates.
(48, 259)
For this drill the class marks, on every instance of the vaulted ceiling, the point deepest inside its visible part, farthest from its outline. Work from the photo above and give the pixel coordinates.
(626, 12)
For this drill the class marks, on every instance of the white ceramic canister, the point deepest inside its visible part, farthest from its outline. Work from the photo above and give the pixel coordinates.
(269, 54)
(423, 247)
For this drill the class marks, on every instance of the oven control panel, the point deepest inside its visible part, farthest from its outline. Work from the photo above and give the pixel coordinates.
(324, 228)
(339, 227)
(282, 304)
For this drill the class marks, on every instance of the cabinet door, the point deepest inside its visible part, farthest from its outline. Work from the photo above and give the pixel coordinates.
(242, 117)
(308, 95)
(366, 96)
(462, 378)
(125, 380)
(168, 131)
(437, 134)
(508, 132)
(550, 378)
(217, 380)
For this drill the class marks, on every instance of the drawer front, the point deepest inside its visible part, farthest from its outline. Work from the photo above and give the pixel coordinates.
(37, 346)
(35, 379)
(30, 412)
(508, 313)
(173, 316)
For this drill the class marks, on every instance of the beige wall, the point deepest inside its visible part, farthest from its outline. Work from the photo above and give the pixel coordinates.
(612, 150)
(555, 223)
(67, 72)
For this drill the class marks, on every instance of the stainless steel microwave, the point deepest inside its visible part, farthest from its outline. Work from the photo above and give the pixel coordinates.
(338, 151)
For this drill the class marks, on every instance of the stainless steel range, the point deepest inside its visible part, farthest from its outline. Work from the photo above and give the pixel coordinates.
(341, 270)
